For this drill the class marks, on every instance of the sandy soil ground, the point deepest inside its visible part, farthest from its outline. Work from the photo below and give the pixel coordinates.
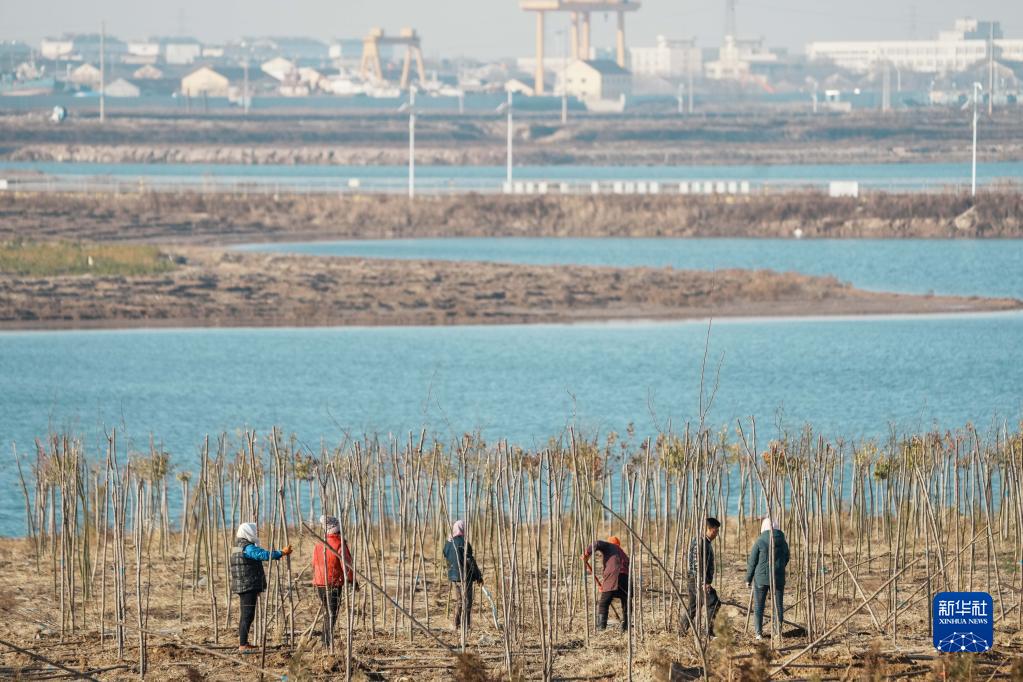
(182, 645)
(229, 288)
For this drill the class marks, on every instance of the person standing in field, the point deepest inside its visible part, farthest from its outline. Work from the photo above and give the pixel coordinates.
(462, 572)
(758, 574)
(700, 563)
(248, 578)
(614, 582)
(331, 573)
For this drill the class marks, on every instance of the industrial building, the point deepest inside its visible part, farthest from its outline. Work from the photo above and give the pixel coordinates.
(969, 42)
(667, 58)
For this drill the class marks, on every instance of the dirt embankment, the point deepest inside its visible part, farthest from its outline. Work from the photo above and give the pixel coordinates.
(216, 288)
(233, 218)
(443, 139)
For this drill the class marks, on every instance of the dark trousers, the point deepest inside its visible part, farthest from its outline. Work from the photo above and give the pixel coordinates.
(713, 604)
(604, 603)
(247, 615)
(330, 599)
(463, 606)
(759, 601)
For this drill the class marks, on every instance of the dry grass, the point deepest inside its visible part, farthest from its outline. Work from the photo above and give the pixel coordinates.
(230, 218)
(49, 259)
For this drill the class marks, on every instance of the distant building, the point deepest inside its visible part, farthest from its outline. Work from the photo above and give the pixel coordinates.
(597, 79)
(518, 86)
(311, 77)
(181, 50)
(27, 71)
(956, 89)
(121, 88)
(56, 48)
(147, 72)
(205, 81)
(86, 74)
(142, 52)
(667, 59)
(737, 60)
(278, 67)
(956, 50)
(307, 51)
(83, 47)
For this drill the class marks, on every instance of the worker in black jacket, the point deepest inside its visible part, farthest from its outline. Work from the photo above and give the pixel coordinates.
(462, 572)
(700, 563)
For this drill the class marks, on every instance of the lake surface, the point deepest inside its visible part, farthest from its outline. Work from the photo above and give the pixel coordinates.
(853, 377)
(901, 177)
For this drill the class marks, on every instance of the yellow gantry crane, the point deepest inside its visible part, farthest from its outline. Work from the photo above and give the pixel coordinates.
(580, 40)
(371, 54)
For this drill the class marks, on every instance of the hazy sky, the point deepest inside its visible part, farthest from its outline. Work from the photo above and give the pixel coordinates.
(496, 28)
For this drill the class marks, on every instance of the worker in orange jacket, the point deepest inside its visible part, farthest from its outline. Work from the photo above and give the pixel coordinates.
(331, 573)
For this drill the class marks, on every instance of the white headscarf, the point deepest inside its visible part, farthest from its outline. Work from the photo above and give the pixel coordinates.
(457, 529)
(247, 531)
(768, 525)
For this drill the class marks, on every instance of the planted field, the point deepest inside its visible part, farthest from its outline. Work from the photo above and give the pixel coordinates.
(117, 578)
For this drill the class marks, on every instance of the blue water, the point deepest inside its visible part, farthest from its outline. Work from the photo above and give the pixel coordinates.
(851, 378)
(964, 267)
(881, 176)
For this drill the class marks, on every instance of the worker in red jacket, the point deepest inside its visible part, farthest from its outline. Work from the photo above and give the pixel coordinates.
(330, 573)
(614, 584)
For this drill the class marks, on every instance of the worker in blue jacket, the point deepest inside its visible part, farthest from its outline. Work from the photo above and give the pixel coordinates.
(248, 578)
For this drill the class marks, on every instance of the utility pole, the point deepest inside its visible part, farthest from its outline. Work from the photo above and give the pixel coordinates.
(689, 70)
(412, 142)
(102, 72)
(564, 63)
(977, 88)
(510, 138)
(245, 87)
(886, 88)
(991, 69)
(680, 98)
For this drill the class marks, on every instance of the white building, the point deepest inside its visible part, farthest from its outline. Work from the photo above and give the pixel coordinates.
(205, 81)
(51, 48)
(597, 79)
(181, 51)
(736, 59)
(668, 58)
(953, 51)
(142, 52)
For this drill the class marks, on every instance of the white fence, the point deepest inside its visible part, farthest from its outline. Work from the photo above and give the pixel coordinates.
(397, 185)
